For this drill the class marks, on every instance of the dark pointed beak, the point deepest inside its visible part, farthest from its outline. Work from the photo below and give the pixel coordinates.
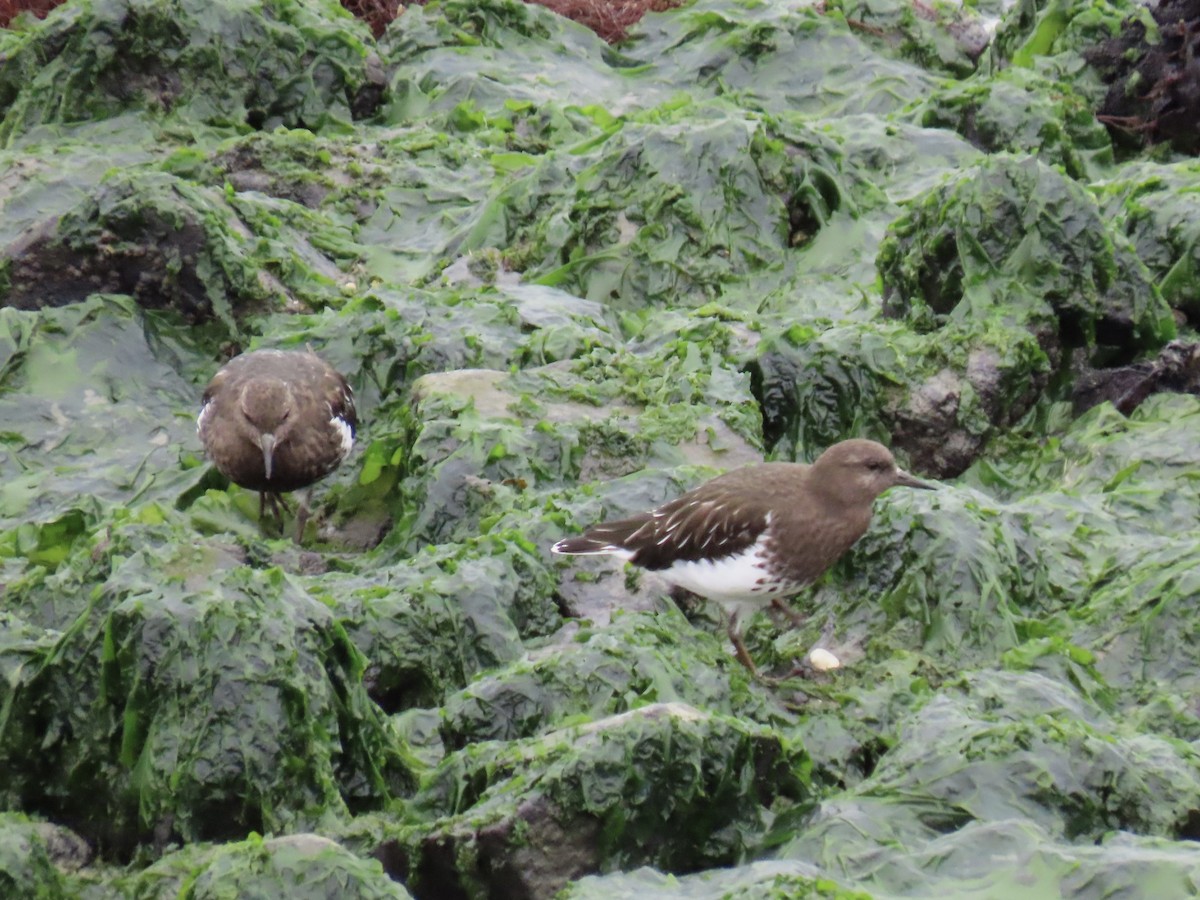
(906, 480)
(267, 442)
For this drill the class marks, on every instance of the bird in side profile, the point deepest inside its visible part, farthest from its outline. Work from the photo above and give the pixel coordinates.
(275, 421)
(756, 534)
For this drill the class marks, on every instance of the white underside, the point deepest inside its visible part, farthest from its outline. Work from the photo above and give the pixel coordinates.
(739, 583)
(733, 582)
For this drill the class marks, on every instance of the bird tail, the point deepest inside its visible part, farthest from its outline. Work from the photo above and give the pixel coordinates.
(589, 546)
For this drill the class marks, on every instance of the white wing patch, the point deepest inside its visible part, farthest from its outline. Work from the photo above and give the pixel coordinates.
(205, 412)
(607, 550)
(345, 435)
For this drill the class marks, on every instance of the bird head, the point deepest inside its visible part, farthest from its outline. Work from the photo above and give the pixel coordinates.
(267, 405)
(858, 471)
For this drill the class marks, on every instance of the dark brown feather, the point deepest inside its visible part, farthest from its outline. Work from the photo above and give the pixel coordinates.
(310, 445)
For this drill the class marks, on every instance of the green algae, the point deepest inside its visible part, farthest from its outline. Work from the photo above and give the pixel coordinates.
(609, 778)
(972, 244)
(1018, 111)
(300, 865)
(136, 717)
(91, 60)
(26, 868)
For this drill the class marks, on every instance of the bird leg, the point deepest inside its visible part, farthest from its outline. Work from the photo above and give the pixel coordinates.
(743, 655)
(275, 504)
(302, 514)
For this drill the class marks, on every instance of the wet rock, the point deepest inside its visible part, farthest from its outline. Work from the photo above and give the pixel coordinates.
(1176, 368)
(67, 850)
(1154, 87)
(927, 427)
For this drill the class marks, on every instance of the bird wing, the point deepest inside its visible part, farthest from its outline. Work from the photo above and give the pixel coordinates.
(694, 526)
(341, 398)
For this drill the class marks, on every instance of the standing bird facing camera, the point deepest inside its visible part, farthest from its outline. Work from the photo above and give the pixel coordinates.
(755, 534)
(275, 421)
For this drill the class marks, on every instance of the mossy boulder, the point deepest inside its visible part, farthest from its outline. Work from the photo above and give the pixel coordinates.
(37, 858)
(1154, 205)
(305, 866)
(296, 63)
(187, 695)
(968, 248)
(531, 814)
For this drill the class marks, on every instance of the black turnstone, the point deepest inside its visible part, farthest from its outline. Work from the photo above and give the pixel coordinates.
(758, 533)
(275, 421)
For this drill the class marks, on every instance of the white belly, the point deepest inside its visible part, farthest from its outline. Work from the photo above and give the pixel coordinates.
(739, 582)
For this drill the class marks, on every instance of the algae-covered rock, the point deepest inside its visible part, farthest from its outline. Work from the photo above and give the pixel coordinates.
(1070, 774)
(978, 347)
(33, 856)
(1054, 39)
(569, 281)
(94, 374)
(971, 247)
(667, 207)
(600, 672)
(1018, 111)
(938, 397)
(779, 57)
(189, 696)
(517, 53)
(939, 38)
(304, 866)
(1155, 205)
(430, 623)
(961, 862)
(479, 439)
(173, 245)
(296, 63)
(531, 814)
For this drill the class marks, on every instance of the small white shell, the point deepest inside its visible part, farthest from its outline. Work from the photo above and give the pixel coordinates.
(822, 660)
